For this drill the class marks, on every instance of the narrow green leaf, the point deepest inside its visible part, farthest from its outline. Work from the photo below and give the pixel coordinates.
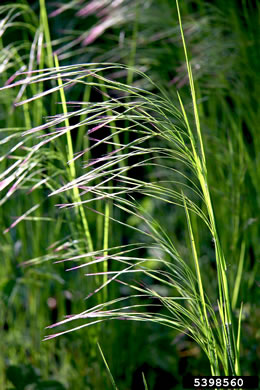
(145, 383)
(107, 367)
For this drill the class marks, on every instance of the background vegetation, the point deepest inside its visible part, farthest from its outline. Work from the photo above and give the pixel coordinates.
(222, 38)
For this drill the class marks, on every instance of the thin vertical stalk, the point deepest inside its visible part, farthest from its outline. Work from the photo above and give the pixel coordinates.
(195, 108)
(72, 168)
(213, 359)
(47, 35)
(105, 245)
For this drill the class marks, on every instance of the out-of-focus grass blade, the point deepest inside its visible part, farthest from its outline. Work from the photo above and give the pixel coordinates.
(108, 369)
(239, 275)
(238, 337)
(145, 383)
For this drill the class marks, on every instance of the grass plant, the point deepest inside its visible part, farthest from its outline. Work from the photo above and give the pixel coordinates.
(145, 194)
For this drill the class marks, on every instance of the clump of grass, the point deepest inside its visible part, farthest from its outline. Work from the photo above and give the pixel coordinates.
(160, 137)
(28, 230)
(137, 145)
